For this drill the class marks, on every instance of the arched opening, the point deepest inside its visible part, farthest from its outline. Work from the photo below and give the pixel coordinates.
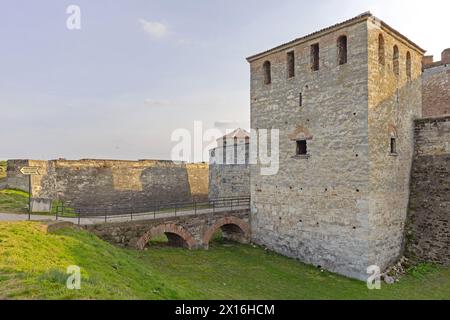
(166, 240)
(395, 61)
(267, 73)
(381, 53)
(166, 235)
(408, 65)
(227, 229)
(342, 50)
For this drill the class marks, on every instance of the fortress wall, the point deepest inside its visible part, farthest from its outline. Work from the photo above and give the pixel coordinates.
(315, 208)
(428, 225)
(436, 91)
(14, 179)
(87, 183)
(395, 100)
(230, 179)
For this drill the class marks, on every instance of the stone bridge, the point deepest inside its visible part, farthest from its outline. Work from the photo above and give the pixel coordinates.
(189, 231)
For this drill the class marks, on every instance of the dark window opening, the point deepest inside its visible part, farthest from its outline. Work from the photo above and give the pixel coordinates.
(395, 61)
(224, 152)
(267, 73)
(342, 50)
(301, 148)
(381, 50)
(315, 57)
(291, 64)
(393, 146)
(247, 150)
(408, 65)
(235, 150)
(300, 99)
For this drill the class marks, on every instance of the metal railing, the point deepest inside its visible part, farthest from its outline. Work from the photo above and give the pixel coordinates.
(153, 210)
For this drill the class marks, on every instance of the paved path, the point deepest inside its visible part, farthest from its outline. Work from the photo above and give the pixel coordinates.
(112, 219)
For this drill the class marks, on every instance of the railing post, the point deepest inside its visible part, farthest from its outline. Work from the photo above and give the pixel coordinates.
(106, 217)
(214, 206)
(176, 206)
(79, 220)
(231, 204)
(195, 207)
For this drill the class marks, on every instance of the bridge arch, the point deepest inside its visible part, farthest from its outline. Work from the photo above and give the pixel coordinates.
(233, 228)
(177, 236)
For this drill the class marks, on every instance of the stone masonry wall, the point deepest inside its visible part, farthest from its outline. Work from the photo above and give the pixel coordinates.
(230, 179)
(316, 207)
(343, 205)
(428, 227)
(436, 91)
(195, 230)
(110, 183)
(394, 102)
(227, 181)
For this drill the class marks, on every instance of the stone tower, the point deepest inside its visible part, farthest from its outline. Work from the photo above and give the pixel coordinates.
(229, 167)
(343, 99)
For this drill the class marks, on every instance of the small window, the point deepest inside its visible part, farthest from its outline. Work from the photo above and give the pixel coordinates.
(408, 65)
(267, 73)
(342, 50)
(301, 148)
(300, 99)
(381, 50)
(290, 64)
(235, 150)
(224, 151)
(395, 62)
(393, 146)
(315, 57)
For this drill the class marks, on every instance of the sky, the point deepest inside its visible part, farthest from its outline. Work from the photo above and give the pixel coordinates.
(137, 70)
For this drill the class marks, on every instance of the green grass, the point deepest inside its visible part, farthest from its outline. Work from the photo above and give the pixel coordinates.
(33, 265)
(13, 201)
(16, 201)
(2, 169)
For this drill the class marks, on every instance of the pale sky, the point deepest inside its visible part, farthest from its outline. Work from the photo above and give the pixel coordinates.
(139, 69)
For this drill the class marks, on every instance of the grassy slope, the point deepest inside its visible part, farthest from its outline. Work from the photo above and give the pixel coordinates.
(13, 201)
(33, 264)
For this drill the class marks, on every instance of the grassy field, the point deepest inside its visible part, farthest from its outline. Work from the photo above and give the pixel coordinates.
(13, 201)
(33, 265)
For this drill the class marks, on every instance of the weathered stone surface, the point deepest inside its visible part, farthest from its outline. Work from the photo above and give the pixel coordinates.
(343, 206)
(436, 90)
(229, 169)
(394, 102)
(428, 227)
(41, 205)
(110, 183)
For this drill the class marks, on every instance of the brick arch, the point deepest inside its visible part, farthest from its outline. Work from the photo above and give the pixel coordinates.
(240, 224)
(168, 229)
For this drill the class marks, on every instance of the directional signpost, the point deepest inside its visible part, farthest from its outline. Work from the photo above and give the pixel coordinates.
(29, 171)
